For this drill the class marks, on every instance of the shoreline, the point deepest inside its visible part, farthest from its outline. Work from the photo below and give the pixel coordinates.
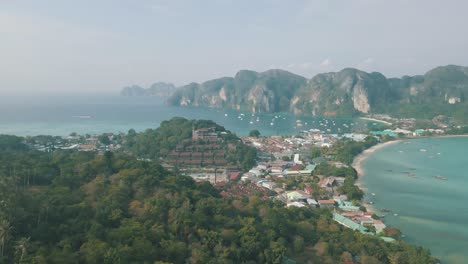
(366, 153)
(357, 162)
(357, 166)
(376, 120)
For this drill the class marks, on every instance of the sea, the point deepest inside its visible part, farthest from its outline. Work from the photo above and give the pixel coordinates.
(430, 211)
(424, 184)
(96, 114)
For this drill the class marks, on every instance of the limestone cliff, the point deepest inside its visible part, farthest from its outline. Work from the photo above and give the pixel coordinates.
(345, 93)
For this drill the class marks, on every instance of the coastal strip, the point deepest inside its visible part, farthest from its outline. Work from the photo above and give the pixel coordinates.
(357, 165)
(366, 153)
(376, 120)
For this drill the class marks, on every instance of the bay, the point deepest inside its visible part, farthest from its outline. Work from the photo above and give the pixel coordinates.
(425, 182)
(95, 114)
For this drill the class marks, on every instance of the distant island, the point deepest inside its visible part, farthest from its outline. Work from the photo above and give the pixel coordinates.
(159, 89)
(349, 92)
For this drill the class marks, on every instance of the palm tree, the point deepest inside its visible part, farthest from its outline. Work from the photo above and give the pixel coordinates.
(21, 248)
(5, 228)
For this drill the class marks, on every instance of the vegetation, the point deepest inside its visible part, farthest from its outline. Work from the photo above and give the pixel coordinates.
(84, 207)
(441, 91)
(254, 133)
(157, 143)
(347, 150)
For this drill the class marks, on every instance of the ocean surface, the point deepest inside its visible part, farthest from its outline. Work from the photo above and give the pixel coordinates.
(62, 115)
(430, 212)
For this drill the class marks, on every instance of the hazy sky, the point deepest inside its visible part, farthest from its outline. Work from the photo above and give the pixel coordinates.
(102, 45)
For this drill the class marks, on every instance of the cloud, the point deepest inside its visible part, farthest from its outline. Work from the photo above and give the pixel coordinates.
(326, 63)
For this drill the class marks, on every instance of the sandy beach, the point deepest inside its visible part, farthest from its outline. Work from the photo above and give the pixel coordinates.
(376, 120)
(357, 166)
(366, 153)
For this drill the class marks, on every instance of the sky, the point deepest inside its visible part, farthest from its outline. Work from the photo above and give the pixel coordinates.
(68, 46)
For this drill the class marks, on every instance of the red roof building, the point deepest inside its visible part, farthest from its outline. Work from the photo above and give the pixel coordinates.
(234, 176)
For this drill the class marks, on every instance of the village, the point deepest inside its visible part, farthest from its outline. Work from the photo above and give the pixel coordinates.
(285, 170)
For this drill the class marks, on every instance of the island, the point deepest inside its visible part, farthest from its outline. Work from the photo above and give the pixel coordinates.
(438, 94)
(191, 191)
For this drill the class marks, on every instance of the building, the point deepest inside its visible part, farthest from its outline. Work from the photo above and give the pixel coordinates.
(297, 159)
(297, 196)
(327, 182)
(295, 204)
(379, 226)
(233, 176)
(348, 223)
(326, 203)
(204, 133)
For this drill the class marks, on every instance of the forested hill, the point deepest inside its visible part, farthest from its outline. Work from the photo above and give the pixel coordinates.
(158, 143)
(350, 92)
(84, 207)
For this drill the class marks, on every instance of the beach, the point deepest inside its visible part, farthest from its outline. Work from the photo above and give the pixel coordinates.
(366, 153)
(357, 166)
(426, 207)
(376, 120)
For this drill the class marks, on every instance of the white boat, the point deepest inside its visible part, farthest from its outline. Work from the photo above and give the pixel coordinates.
(225, 114)
(373, 194)
(271, 124)
(423, 150)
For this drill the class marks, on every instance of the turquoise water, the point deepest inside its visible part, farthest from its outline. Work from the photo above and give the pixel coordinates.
(59, 115)
(431, 212)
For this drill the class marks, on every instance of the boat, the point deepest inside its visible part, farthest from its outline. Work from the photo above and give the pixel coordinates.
(395, 214)
(423, 150)
(83, 117)
(373, 194)
(225, 114)
(441, 177)
(271, 124)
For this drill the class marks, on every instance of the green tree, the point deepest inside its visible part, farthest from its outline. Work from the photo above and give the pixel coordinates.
(254, 133)
(104, 139)
(5, 229)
